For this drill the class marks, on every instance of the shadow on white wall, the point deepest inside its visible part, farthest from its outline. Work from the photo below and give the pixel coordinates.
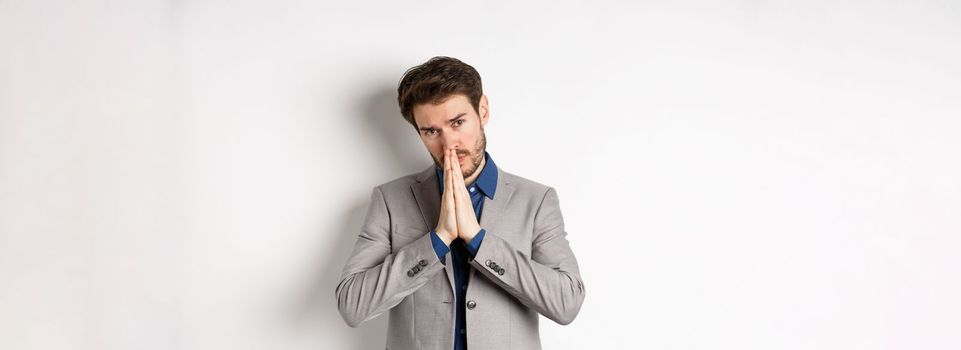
(399, 154)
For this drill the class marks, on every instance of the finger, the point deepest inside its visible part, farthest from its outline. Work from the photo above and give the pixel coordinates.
(447, 169)
(453, 175)
(456, 160)
(448, 175)
(459, 175)
(451, 160)
(450, 167)
(449, 193)
(446, 160)
(452, 196)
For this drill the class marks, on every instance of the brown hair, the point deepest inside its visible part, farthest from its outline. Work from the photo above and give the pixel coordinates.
(436, 80)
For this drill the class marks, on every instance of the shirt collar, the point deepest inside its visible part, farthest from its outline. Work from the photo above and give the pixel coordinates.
(486, 181)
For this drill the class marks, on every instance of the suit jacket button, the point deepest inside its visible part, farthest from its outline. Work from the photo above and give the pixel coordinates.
(488, 263)
(423, 262)
(471, 304)
(410, 273)
(417, 269)
(500, 272)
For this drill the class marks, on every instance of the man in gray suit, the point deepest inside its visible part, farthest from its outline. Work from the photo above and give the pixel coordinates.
(463, 254)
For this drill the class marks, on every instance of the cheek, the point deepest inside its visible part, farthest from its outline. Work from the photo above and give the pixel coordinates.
(428, 143)
(434, 149)
(475, 139)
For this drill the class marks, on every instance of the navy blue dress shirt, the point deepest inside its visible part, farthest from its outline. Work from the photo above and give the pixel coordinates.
(485, 185)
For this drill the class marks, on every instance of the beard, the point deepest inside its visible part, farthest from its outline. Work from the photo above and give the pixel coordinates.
(475, 155)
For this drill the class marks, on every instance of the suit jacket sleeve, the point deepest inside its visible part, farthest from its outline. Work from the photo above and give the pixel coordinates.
(548, 280)
(374, 280)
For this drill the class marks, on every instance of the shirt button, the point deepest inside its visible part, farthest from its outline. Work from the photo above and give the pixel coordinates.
(472, 189)
(462, 331)
(471, 304)
(464, 287)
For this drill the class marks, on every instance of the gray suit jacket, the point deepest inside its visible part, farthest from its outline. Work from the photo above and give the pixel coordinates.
(524, 267)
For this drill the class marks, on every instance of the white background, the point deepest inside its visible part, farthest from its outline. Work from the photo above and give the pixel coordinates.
(733, 175)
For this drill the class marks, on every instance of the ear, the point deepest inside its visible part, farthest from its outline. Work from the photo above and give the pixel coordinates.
(484, 110)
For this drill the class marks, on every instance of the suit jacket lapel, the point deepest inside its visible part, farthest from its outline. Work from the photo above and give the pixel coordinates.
(427, 194)
(494, 206)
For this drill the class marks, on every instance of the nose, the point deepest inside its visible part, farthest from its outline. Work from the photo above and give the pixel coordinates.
(451, 142)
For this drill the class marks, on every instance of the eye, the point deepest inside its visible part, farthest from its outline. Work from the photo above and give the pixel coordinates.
(458, 122)
(430, 132)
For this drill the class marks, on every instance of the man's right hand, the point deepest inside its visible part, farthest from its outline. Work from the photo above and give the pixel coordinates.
(447, 221)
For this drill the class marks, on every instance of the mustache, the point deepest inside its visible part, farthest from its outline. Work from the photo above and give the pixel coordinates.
(440, 160)
(466, 153)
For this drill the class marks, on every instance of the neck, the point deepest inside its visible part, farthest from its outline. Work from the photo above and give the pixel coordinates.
(473, 177)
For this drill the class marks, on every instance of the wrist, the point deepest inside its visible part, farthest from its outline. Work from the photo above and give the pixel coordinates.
(444, 236)
(468, 234)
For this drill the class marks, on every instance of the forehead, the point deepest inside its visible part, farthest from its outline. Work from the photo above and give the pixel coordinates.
(437, 114)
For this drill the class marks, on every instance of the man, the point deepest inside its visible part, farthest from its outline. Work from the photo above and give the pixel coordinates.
(463, 254)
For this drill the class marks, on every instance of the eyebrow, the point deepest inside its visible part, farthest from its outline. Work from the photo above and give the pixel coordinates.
(451, 120)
